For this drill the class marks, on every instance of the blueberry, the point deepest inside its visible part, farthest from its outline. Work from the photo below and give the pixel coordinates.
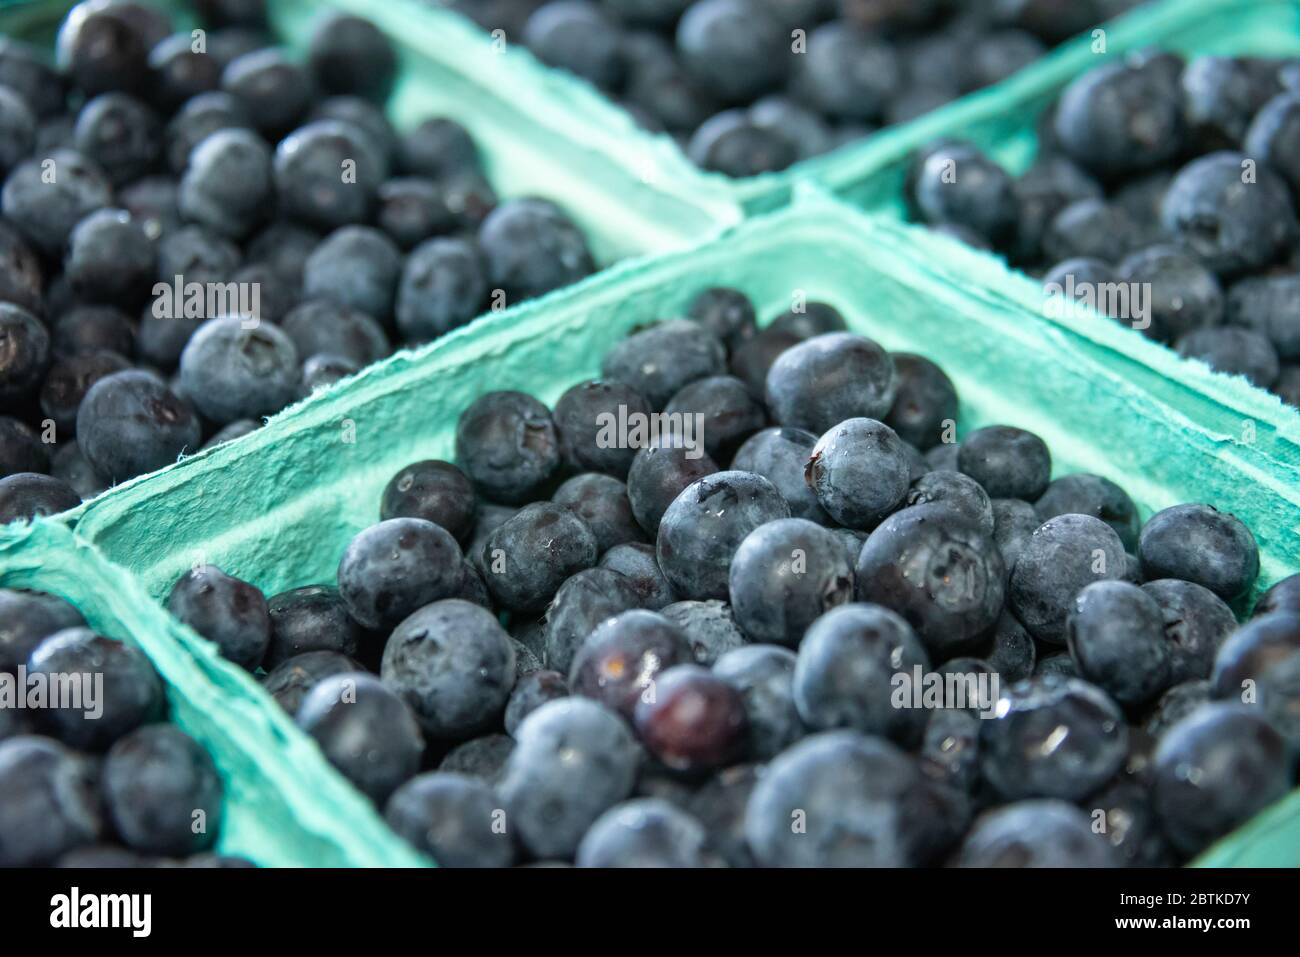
(231, 42)
(130, 423)
(1282, 595)
(1220, 97)
(24, 353)
(1008, 462)
(308, 181)
(21, 275)
(1256, 648)
(196, 120)
(619, 661)
(275, 91)
(110, 258)
(228, 183)
(1116, 635)
(763, 675)
(507, 444)
(283, 246)
(530, 556)
(443, 286)
(956, 491)
(435, 491)
(230, 612)
(437, 148)
(365, 730)
(364, 117)
(196, 254)
(350, 55)
(647, 832)
(1035, 834)
(313, 618)
(861, 803)
(808, 320)
(1184, 295)
(1270, 306)
(802, 125)
(178, 72)
(1083, 277)
(753, 359)
(956, 185)
(659, 474)
(24, 70)
(1199, 544)
(731, 143)
(482, 758)
(1014, 522)
(1046, 188)
(1231, 225)
(925, 401)
(724, 410)
(601, 501)
(637, 563)
(391, 569)
(1196, 624)
(725, 312)
(1118, 119)
(1060, 559)
(531, 692)
(827, 379)
(578, 36)
(581, 603)
(290, 680)
(693, 721)
(710, 627)
(324, 327)
(1131, 826)
(128, 690)
(531, 247)
(658, 362)
(239, 368)
(48, 802)
(1274, 136)
(860, 472)
(100, 48)
(1215, 770)
(780, 456)
(21, 449)
(1084, 494)
(581, 417)
(1234, 351)
(950, 747)
(26, 495)
(732, 48)
(152, 201)
(936, 570)
(848, 72)
(1052, 737)
(451, 818)
(46, 212)
(28, 618)
(18, 128)
(411, 210)
(1175, 705)
(453, 664)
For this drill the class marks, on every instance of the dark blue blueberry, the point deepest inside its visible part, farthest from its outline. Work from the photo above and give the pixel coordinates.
(26, 495)
(637, 563)
(121, 134)
(956, 491)
(860, 472)
(950, 748)
(451, 818)
(659, 473)
(810, 319)
(355, 265)
(784, 576)
(724, 411)
(1257, 647)
(1119, 119)
(719, 804)
(578, 36)
(956, 185)
(350, 55)
(1175, 705)
(733, 49)
(25, 71)
(323, 370)
(706, 523)
(128, 692)
(17, 130)
(527, 559)
(309, 619)
(1049, 186)
(1116, 635)
(753, 359)
(1197, 622)
(658, 86)
(1221, 95)
(1010, 653)
(1234, 351)
(100, 48)
(130, 423)
(1282, 595)
(228, 184)
(531, 247)
(581, 416)
(228, 44)
(1183, 294)
(365, 730)
(443, 286)
(1200, 544)
(276, 296)
(110, 259)
(85, 330)
(1035, 834)
(22, 278)
(283, 246)
(710, 627)
(692, 721)
(658, 362)
(178, 72)
(198, 119)
(732, 143)
(1231, 224)
(433, 490)
(618, 663)
(1215, 770)
(645, 833)
(153, 202)
(327, 175)
(196, 254)
(46, 212)
(26, 619)
(289, 681)
(411, 210)
(846, 671)
(1063, 556)
(925, 401)
(482, 758)
(1014, 522)
(275, 90)
(238, 368)
(848, 72)
(803, 126)
(377, 133)
(859, 801)
(764, 677)
(392, 569)
(601, 501)
(24, 353)
(1129, 824)
(825, 380)
(322, 326)
(1052, 737)
(48, 802)
(1056, 664)
(1270, 305)
(225, 610)
(437, 148)
(506, 442)
(780, 456)
(1082, 279)
(1084, 494)
(1091, 229)
(21, 449)
(453, 664)
(531, 692)
(936, 570)
(997, 55)
(725, 312)
(1274, 136)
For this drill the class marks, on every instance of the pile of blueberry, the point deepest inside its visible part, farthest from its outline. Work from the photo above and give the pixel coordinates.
(101, 779)
(1179, 178)
(683, 649)
(751, 86)
(298, 236)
